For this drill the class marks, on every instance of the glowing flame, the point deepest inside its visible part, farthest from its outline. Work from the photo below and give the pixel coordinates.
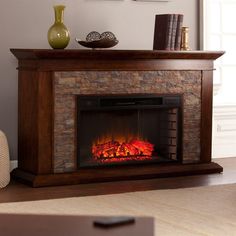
(122, 150)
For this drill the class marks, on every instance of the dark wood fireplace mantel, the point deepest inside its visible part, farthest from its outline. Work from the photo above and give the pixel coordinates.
(66, 60)
(39, 73)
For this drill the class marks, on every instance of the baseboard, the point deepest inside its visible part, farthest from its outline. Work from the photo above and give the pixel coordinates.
(13, 164)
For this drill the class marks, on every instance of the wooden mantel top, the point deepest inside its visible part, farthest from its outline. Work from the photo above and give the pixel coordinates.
(71, 54)
(87, 59)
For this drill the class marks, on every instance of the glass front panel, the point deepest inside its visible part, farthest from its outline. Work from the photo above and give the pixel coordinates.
(127, 135)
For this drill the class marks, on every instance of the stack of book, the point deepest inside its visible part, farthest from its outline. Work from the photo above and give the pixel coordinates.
(167, 32)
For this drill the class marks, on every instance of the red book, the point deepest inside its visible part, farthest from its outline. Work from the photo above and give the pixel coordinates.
(163, 32)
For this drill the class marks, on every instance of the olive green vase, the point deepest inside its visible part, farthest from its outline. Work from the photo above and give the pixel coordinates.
(58, 34)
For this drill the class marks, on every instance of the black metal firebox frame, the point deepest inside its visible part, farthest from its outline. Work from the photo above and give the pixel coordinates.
(130, 102)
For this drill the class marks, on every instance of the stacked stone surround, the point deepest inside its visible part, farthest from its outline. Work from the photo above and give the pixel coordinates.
(67, 85)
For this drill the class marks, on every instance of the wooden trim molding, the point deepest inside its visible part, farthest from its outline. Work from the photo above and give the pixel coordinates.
(206, 115)
(114, 174)
(61, 54)
(54, 60)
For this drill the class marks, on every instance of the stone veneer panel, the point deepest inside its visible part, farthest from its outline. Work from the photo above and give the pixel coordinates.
(69, 84)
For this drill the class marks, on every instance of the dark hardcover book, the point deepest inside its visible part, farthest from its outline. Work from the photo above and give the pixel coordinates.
(178, 32)
(163, 32)
(173, 33)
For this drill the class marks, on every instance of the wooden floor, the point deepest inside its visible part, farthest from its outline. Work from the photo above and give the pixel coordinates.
(18, 192)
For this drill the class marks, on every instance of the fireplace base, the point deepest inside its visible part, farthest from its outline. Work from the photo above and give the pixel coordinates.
(106, 174)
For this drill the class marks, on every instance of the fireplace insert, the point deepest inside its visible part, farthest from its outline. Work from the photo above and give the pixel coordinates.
(130, 129)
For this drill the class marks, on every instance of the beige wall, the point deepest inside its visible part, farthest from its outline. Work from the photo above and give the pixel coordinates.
(24, 24)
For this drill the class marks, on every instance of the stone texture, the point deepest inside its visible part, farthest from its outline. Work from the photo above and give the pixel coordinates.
(69, 84)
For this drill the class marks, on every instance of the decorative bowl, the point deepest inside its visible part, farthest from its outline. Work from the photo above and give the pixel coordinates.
(101, 43)
(95, 40)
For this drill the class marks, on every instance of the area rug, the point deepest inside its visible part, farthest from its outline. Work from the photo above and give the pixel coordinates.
(190, 211)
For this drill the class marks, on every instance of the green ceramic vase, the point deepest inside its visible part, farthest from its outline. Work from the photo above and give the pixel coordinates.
(58, 34)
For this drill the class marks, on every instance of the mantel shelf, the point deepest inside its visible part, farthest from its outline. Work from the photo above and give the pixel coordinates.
(113, 54)
(128, 60)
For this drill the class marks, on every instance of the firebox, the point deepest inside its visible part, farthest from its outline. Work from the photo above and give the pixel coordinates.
(118, 130)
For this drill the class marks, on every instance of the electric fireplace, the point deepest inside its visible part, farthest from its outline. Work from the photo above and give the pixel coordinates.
(89, 116)
(115, 130)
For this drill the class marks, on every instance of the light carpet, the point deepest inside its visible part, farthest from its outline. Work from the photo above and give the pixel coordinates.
(190, 211)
